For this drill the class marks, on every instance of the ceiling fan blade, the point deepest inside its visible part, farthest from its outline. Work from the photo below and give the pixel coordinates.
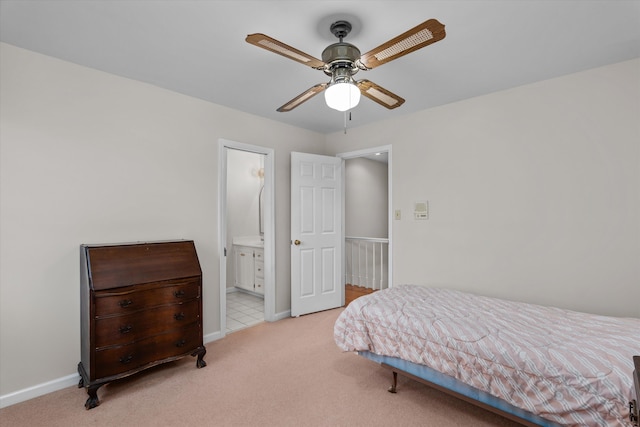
(379, 94)
(416, 38)
(280, 48)
(304, 96)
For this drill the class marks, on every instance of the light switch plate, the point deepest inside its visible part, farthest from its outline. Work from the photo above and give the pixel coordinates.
(421, 210)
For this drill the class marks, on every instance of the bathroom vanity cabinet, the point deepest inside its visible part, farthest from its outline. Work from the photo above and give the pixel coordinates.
(249, 266)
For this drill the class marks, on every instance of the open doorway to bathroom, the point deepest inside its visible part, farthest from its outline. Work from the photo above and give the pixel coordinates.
(246, 236)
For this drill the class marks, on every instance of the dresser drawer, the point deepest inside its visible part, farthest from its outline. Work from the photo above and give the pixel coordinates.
(128, 300)
(132, 327)
(117, 360)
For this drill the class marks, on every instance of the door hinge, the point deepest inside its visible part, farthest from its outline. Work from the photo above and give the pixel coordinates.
(225, 251)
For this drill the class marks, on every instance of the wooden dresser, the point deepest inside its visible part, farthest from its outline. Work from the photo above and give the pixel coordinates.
(140, 305)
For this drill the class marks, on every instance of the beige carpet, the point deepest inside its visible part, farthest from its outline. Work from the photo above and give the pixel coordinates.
(287, 373)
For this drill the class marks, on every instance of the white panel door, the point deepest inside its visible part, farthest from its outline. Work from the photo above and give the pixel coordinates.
(316, 233)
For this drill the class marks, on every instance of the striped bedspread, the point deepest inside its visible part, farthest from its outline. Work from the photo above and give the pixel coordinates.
(569, 367)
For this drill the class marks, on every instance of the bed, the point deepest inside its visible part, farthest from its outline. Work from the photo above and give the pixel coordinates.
(633, 405)
(533, 364)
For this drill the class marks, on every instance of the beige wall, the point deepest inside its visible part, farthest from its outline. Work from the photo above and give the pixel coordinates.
(89, 157)
(534, 192)
(366, 198)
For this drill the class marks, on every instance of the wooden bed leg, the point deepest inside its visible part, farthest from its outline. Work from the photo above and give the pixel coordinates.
(392, 389)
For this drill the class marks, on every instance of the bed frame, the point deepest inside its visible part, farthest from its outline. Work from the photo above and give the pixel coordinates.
(482, 405)
(455, 388)
(478, 403)
(634, 409)
(494, 405)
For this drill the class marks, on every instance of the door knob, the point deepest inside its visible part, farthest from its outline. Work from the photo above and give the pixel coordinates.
(296, 242)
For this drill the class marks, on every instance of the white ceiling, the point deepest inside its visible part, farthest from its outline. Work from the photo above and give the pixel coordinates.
(197, 47)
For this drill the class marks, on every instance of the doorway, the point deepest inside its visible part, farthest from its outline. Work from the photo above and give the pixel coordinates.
(316, 294)
(368, 220)
(246, 235)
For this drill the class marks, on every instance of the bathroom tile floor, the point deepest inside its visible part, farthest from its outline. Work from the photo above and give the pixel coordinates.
(243, 310)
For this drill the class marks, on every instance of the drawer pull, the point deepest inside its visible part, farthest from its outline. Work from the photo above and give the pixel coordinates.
(179, 316)
(126, 359)
(125, 303)
(125, 329)
(181, 343)
(179, 294)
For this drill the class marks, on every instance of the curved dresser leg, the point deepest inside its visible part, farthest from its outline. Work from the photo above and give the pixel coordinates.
(93, 400)
(80, 371)
(200, 351)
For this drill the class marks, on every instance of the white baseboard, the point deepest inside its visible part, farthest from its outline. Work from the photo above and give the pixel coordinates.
(38, 390)
(60, 383)
(282, 315)
(212, 337)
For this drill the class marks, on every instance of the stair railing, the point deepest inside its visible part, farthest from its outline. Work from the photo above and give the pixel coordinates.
(366, 262)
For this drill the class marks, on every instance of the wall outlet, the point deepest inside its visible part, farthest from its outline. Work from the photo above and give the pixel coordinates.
(398, 214)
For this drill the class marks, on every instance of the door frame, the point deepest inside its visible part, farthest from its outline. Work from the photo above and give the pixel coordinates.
(362, 153)
(269, 227)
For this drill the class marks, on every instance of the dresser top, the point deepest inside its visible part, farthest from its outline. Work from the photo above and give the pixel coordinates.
(118, 265)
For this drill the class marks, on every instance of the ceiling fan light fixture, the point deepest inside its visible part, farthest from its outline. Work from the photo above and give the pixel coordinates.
(342, 96)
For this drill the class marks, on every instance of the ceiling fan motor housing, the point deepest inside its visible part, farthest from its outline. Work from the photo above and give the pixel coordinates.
(340, 58)
(340, 52)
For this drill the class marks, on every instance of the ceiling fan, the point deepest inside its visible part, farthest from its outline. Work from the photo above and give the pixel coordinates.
(341, 61)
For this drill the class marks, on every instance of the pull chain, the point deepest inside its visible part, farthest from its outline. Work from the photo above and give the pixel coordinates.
(345, 121)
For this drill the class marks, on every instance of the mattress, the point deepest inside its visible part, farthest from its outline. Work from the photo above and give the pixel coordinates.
(568, 367)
